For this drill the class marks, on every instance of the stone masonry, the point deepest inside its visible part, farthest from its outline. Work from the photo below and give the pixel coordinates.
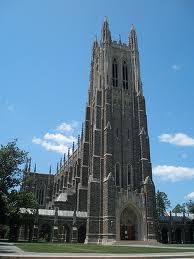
(108, 176)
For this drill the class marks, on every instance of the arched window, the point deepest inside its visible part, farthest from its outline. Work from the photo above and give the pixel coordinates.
(129, 171)
(66, 178)
(62, 181)
(55, 188)
(117, 174)
(42, 197)
(117, 132)
(71, 175)
(58, 185)
(114, 73)
(125, 76)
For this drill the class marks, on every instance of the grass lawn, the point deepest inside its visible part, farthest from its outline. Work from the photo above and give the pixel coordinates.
(81, 248)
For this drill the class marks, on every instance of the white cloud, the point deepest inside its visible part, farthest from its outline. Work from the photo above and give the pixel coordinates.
(58, 142)
(64, 127)
(173, 173)
(175, 67)
(67, 127)
(179, 139)
(190, 196)
(59, 138)
(59, 148)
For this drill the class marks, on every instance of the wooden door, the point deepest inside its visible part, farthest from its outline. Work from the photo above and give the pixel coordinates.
(131, 232)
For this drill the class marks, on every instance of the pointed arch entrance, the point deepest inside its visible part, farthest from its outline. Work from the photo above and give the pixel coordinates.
(129, 225)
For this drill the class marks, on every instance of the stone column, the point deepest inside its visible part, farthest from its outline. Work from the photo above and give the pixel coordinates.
(74, 229)
(55, 227)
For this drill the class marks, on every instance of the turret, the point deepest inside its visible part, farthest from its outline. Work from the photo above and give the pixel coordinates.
(95, 44)
(135, 61)
(105, 34)
(82, 132)
(78, 141)
(133, 39)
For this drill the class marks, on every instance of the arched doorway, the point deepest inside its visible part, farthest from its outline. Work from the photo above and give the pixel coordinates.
(45, 232)
(164, 236)
(128, 225)
(81, 234)
(178, 238)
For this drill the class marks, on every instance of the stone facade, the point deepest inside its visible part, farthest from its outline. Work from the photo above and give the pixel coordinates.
(109, 174)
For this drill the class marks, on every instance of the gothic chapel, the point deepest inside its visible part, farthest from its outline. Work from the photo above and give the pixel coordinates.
(103, 192)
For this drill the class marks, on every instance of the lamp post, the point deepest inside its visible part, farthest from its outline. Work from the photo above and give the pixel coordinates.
(35, 227)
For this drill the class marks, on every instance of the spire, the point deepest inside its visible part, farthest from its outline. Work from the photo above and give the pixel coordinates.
(64, 158)
(57, 168)
(135, 61)
(133, 39)
(68, 153)
(73, 147)
(78, 141)
(50, 170)
(105, 33)
(120, 39)
(29, 165)
(60, 163)
(95, 44)
(82, 131)
(35, 168)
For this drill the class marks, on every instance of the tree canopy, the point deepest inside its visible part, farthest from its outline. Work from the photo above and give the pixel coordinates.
(184, 207)
(190, 206)
(11, 159)
(162, 203)
(179, 208)
(12, 196)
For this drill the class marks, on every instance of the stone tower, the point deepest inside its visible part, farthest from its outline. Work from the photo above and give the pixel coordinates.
(116, 173)
(104, 191)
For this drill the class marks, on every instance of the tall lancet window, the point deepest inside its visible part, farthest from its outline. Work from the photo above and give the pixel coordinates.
(129, 172)
(114, 73)
(125, 75)
(117, 174)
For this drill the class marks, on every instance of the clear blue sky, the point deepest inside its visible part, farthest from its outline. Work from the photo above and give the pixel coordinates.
(45, 52)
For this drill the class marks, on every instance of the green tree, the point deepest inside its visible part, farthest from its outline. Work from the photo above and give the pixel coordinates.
(190, 206)
(162, 203)
(11, 159)
(12, 196)
(179, 208)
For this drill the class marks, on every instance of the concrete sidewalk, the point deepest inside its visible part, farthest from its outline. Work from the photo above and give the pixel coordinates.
(8, 248)
(95, 256)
